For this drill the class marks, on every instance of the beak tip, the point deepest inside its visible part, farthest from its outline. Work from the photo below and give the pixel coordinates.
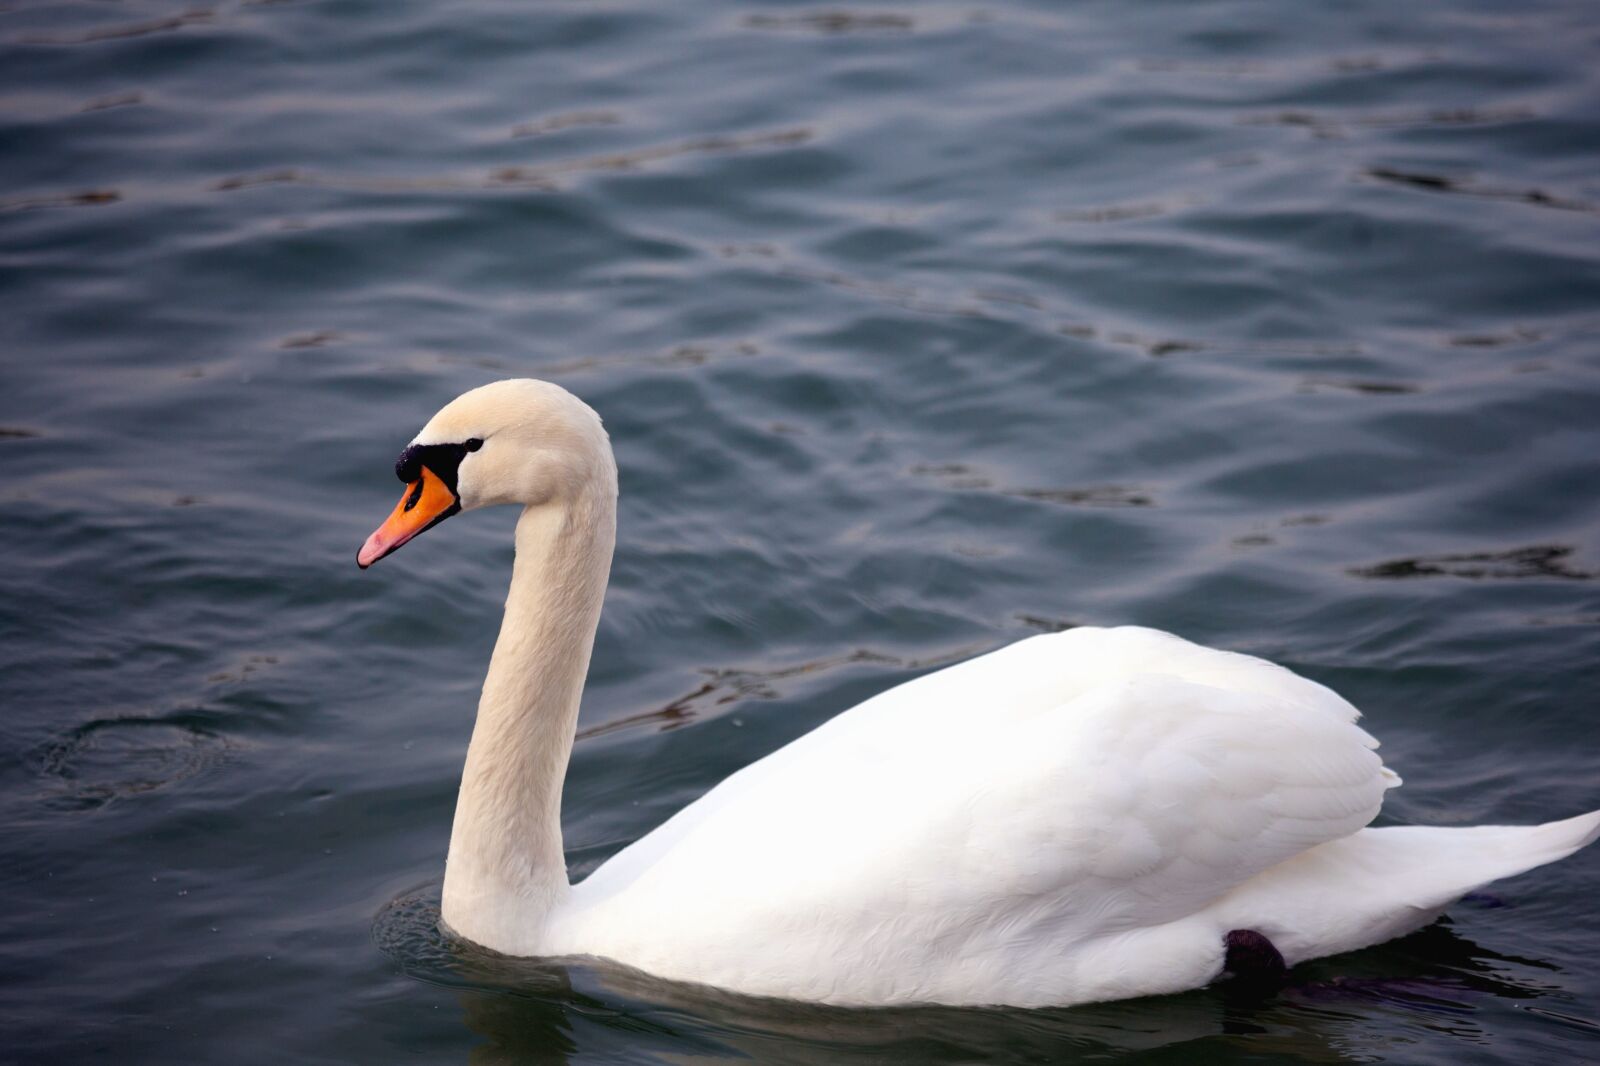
(374, 549)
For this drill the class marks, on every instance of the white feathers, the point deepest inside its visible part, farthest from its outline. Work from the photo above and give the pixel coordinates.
(1111, 794)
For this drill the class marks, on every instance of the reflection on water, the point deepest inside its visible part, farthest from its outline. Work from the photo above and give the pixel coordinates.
(527, 1010)
(1540, 560)
(1442, 183)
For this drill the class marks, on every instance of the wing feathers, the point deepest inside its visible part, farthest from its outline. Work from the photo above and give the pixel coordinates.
(1189, 791)
(1064, 788)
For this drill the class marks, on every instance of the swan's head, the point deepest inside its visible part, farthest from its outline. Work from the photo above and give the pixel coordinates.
(517, 441)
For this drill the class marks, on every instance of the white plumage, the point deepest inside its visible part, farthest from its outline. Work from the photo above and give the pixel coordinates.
(1078, 816)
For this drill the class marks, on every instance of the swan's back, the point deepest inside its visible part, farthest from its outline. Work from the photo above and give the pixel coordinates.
(984, 833)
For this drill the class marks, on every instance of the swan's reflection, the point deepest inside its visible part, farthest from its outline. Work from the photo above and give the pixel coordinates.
(1345, 1010)
(1348, 1008)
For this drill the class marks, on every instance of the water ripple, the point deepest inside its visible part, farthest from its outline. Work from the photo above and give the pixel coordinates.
(109, 759)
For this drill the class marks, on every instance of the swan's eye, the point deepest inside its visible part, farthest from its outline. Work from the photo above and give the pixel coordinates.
(474, 444)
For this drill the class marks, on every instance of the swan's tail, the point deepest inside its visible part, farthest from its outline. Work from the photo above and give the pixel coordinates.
(1382, 883)
(1455, 861)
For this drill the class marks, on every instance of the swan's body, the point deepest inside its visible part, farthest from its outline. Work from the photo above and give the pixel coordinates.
(1079, 816)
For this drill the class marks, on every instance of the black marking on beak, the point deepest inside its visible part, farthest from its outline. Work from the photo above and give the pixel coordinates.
(443, 460)
(416, 494)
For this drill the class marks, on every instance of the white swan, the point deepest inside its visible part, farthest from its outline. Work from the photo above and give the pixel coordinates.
(1079, 816)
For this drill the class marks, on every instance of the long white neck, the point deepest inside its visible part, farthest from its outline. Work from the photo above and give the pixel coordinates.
(506, 869)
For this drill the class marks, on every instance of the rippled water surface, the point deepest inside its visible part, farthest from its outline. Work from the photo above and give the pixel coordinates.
(918, 328)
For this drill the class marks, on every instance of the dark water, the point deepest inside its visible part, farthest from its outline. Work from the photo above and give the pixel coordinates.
(918, 328)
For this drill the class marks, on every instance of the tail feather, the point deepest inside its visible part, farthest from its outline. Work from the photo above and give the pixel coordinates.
(1378, 884)
(1552, 840)
(1457, 860)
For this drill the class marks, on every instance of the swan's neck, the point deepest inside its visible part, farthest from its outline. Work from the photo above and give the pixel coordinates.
(506, 869)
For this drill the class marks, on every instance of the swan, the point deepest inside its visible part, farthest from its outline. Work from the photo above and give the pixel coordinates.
(1087, 815)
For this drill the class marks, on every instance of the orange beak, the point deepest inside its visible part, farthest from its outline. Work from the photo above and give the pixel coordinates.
(426, 503)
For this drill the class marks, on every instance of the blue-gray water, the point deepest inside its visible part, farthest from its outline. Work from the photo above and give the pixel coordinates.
(918, 328)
